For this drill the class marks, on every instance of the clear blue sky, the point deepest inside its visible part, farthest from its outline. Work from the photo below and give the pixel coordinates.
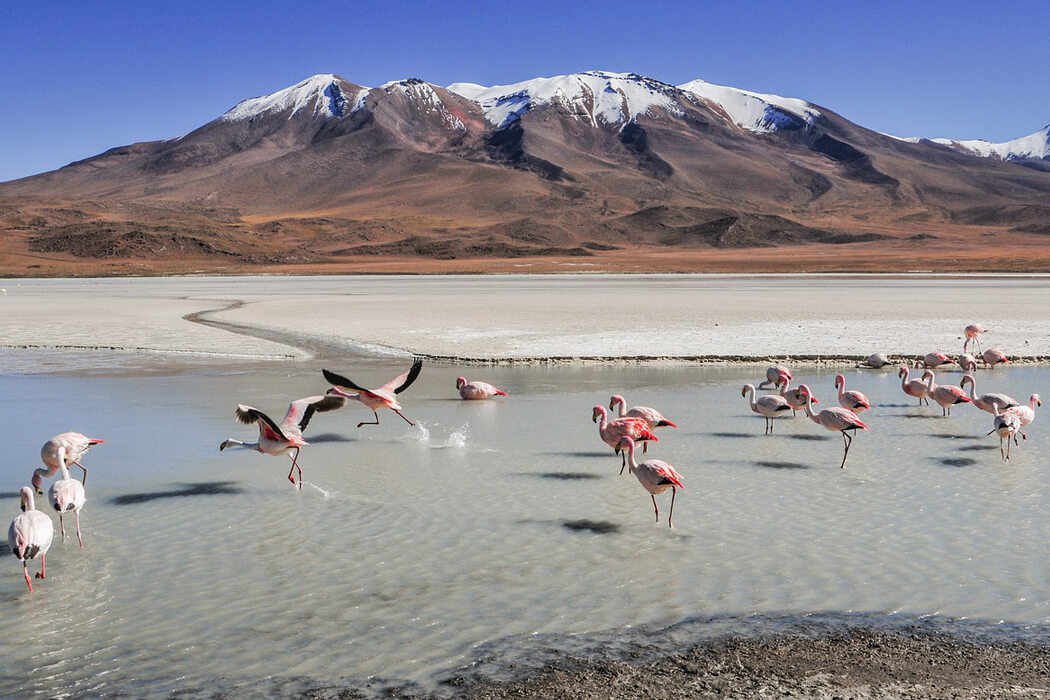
(79, 77)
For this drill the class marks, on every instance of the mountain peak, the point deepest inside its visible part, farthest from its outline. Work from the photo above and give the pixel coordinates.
(755, 111)
(321, 95)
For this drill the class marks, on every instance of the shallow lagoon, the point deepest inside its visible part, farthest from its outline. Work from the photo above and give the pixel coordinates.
(501, 525)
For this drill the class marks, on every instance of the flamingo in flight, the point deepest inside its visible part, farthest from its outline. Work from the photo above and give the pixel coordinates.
(972, 332)
(835, 418)
(946, 396)
(992, 357)
(654, 418)
(768, 406)
(775, 376)
(853, 400)
(67, 495)
(67, 448)
(612, 431)
(655, 476)
(288, 436)
(913, 387)
(987, 402)
(1026, 413)
(1006, 426)
(375, 399)
(30, 536)
(475, 391)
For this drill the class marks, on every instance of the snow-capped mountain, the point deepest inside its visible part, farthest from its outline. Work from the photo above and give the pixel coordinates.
(1035, 145)
(322, 95)
(755, 111)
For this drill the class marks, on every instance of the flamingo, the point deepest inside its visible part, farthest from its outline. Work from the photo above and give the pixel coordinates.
(835, 418)
(933, 359)
(288, 436)
(913, 387)
(946, 396)
(992, 357)
(875, 360)
(775, 376)
(986, 402)
(968, 363)
(1006, 425)
(30, 536)
(654, 475)
(67, 448)
(611, 431)
(1026, 413)
(972, 331)
(654, 418)
(66, 495)
(767, 406)
(853, 400)
(383, 397)
(794, 397)
(475, 391)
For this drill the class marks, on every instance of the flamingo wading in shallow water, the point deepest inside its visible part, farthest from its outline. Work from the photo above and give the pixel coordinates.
(287, 437)
(992, 357)
(612, 431)
(946, 396)
(30, 536)
(986, 402)
(375, 399)
(853, 400)
(768, 406)
(476, 391)
(655, 476)
(794, 397)
(1006, 426)
(67, 448)
(775, 376)
(913, 387)
(1026, 413)
(835, 418)
(654, 418)
(67, 495)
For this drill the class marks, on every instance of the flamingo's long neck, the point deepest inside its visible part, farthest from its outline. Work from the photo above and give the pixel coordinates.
(841, 381)
(751, 397)
(930, 386)
(64, 469)
(905, 374)
(622, 404)
(973, 386)
(632, 463)
(809, 406)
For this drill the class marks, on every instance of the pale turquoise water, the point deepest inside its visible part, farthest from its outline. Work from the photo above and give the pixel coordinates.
(412, 551)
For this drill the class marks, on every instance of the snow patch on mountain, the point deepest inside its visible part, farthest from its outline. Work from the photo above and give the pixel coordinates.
(593, 97)
(1035, 145)
(422, 94)
(755, 111)
(318, 96)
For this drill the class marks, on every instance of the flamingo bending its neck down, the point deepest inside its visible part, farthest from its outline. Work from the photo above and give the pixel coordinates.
(287, 437)
(612, 431)
(971, 332)
(768, 406)
(775, 376)
(946, 396)
(654, 418)
(853, 400)
(993, 356)
(66, 495)
(835, 418)
(967, 363)
(875, 360)
(986, 402)
(655, 476)
(1006, 426)
(375, 399)
(913, 387)
(476, 391)
(67, 448)
(30, 536)
(933, 359)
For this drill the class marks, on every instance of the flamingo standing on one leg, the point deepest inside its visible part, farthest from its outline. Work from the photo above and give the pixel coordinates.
(767, 406)
(67, 448)
(288, 436)
(835, 418)
(971, 332)
(476, 391)
(992, 357)
(1006, 425)
(30, 536)
(853, 400)
(946, 396)
(913, 387)
(654, 418)
(775, 376)
(66, 495)
(612, 431)
(986, 402)
(1026, 413)
(655, 476)
(375, 399)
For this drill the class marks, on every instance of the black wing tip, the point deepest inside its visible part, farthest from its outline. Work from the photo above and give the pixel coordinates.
(413, 372)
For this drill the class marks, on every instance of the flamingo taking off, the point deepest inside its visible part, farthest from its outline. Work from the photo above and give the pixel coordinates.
(913, 387)
(475, 391)
(775, 376)
(654, 418)
(67, 495)
(835, 418)
(986, 402)
(1006, 426)
(933, 359)
(946, 396)
(375, 399)
(67, 448)
(612, 431)
(972, 332)
(853, 400)
(30, 536)
(1026, 413)
(288, 436)
(768, 406)
(992, 357)
(655, 476)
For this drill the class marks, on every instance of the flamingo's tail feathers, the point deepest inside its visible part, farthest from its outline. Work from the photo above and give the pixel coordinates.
(500, 392)
(666, 424)
(95, 441)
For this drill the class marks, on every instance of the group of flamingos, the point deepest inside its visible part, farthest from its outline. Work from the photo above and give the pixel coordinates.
(31, 532)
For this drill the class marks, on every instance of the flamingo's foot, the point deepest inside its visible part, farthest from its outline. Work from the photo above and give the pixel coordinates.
(291, 478)
(39, 574)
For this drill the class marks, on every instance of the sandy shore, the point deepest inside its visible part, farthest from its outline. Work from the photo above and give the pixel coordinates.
(529, 318)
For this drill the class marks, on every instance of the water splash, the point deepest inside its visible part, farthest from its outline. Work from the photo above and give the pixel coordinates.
(458, 437)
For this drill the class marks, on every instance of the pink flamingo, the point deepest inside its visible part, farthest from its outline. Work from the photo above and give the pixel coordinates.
(775, 376)
(853, 400)
(933, 359)
(794, 397)
(992, 357)
(1026, 413)
(654, 418)
(655, 476)
(612, 431)
(474, 391)
(972, 331)
(913, 387)
(67, 448)
(383, 397)
(768, 406)
(288, 436)
(30, 536)
(968, 363)
(835, 418)
(986, 402)
(946, 396)
(66, 495)
(1006, 425)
